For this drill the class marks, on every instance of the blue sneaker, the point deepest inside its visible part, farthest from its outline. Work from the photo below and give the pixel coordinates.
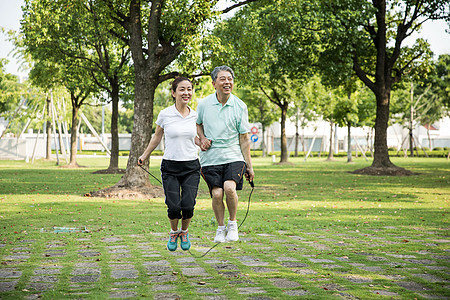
(185, 242)
(173, 241)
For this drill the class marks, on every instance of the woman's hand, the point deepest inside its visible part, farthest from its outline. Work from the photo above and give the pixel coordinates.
(141, 160)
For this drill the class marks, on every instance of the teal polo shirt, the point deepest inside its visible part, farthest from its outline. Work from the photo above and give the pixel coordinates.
(222, 125)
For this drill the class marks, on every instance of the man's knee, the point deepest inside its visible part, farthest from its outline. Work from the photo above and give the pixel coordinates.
(217, 193)
(229, 187)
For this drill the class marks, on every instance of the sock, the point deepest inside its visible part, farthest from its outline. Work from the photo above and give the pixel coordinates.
(222, 227)
(229, 221)
(184, 230)
(177, 231)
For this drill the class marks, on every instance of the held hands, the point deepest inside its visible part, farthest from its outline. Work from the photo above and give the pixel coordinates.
(205, 144)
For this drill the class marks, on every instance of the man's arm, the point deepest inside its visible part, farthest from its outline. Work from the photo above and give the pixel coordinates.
(204, 142)
(244, 142)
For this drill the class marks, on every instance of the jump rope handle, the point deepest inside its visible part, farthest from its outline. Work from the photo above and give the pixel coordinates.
(251, 182)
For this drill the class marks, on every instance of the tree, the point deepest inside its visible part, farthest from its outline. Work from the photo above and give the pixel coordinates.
(10, 89)
(19, 101)
(157, 33)
(260, 110)
(270, 48)
(303, 110)
(440, 79)
(346, 114)
(366, 37)
(53, 31)
(324, 103)
(422, 100)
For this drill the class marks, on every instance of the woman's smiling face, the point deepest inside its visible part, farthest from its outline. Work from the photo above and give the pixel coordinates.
(183, 93)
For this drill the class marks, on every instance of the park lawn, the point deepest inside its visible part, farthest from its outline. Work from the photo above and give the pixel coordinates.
(314, 197)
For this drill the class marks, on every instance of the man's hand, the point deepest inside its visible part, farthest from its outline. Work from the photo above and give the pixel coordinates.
(250, 174)
(140, 161)
(205, 144)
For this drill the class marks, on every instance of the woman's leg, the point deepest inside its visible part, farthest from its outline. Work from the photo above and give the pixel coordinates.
(174, 224)
(185, 224)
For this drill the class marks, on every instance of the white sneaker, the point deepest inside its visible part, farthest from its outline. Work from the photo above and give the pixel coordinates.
(220, 235)
(232, 229)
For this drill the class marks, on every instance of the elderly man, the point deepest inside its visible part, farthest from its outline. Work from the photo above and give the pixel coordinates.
(222, 126)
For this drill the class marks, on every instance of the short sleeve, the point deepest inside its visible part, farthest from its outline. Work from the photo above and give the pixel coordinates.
(160, 119)
(244, 126)
(200, 110)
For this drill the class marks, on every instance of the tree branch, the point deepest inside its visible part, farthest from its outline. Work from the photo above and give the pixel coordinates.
(274, 101)
(153, 25)
(362, 75)
(237, 5)
(167, 76)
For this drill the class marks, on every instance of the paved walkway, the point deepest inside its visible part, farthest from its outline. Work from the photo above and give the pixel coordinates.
(312, 265)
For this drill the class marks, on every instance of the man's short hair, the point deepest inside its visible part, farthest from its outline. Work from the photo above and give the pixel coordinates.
(218, 69)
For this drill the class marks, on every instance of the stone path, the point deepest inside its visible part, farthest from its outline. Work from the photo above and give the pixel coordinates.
(310, 265)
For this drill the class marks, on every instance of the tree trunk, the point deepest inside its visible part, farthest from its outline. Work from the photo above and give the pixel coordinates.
(411, 141)
(429, 137)
(411, 122)
(145, 87)
(349, 143)
(49, 131)
(381, 154)
(330, 152)
(114, 159)
(74, 136)
(284, 155)
(263, 141)
(296, 133)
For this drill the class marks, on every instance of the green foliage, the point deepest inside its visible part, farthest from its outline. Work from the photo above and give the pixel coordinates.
(425, 98)
(265, 41)
(260, 109)
(271, 50)
(72, 46)
(351, 36)
(441, 79)
(10, 90)
(20, 102)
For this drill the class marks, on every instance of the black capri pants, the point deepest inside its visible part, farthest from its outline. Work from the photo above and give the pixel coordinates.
(180, 182)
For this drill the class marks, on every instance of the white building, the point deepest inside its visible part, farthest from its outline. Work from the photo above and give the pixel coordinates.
(398, 136)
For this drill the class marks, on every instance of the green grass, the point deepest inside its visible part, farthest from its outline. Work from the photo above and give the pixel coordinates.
(318, 199)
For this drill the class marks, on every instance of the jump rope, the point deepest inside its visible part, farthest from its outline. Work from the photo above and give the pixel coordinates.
(245, 217)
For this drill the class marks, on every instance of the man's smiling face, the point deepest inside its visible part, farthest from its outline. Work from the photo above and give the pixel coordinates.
(224, 83)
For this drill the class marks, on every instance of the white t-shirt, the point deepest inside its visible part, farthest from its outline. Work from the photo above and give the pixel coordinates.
(179, 134)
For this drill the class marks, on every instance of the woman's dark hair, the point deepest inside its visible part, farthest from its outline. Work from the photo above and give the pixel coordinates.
(177, 81)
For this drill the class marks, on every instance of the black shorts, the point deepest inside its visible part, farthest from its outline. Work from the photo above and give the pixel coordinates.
(215, 176)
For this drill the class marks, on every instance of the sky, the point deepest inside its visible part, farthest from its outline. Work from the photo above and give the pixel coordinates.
(11, 13)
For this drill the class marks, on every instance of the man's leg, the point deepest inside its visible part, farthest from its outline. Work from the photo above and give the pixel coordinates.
(219, 211)
(229, 187)
(218, 206)
(232, 203)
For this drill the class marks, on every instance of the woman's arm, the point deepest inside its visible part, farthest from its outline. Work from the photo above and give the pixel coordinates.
(154, 142)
